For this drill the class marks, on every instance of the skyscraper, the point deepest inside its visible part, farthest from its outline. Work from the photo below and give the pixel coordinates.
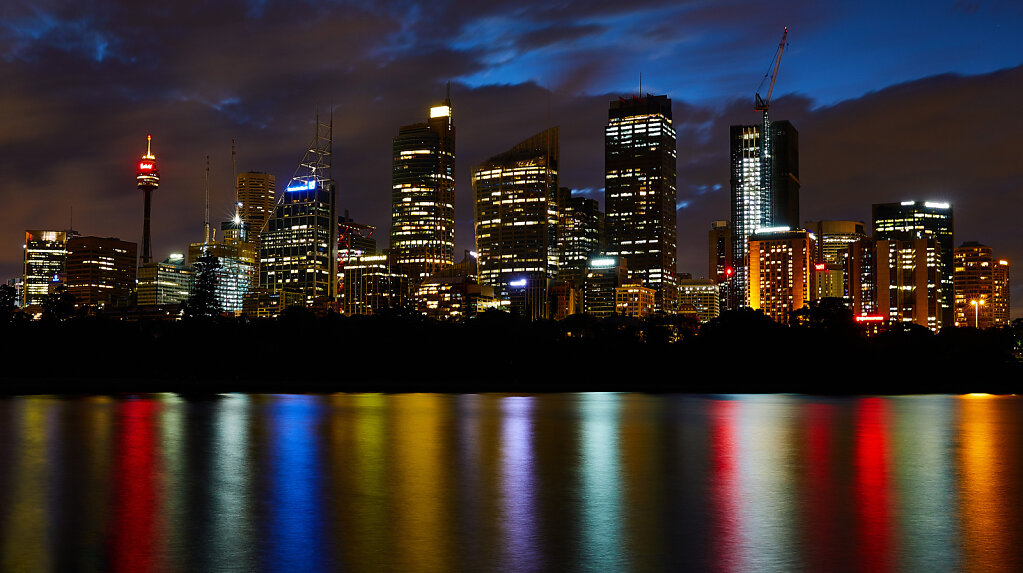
(297, 251)
(255, 196)
(765, 188)
(148, 178)
(911, 220)
(45, 264)
(640, 192)
(517, 216)
(423, 194)
(981, 287)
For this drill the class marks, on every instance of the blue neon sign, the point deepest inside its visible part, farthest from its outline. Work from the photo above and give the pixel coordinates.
(306, 186)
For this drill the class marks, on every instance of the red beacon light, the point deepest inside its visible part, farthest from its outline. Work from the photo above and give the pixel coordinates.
(729, 271)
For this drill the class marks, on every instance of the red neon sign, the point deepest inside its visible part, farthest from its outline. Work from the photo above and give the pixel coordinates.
(819, 266)
(869, 319)
(145, 166)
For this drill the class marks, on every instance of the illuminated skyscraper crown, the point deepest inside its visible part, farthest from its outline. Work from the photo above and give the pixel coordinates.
(148, 174)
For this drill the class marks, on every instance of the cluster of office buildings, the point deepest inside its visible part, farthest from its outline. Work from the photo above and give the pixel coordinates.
(540, 252)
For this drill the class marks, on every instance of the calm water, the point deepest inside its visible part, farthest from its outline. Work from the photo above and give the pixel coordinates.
(590, 482)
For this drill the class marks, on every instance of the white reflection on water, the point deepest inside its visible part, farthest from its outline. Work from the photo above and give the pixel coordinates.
(230, 487)
(601, 483)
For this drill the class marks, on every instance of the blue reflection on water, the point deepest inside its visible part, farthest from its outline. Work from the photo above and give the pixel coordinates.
(601, 483)
(296, 520)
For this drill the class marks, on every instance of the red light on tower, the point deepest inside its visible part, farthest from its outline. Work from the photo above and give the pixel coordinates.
(148, 176)
(729, 271)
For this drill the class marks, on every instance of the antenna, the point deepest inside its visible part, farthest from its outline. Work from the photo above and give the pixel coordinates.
(640, 84)
(206, 220)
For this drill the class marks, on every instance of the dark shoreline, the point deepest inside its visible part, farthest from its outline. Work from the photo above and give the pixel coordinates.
(741, 352)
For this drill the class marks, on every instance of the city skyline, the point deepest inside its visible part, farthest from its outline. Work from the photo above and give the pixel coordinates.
(868, 131)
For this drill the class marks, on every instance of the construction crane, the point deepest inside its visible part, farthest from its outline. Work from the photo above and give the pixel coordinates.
(347, 232)
(761, 103)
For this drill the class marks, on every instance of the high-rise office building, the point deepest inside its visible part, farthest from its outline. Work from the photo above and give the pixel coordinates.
(373, 283)
(719, 263)
(634, 300)
(580, 236)
(909, 279)
(101, 271)
(640, 193)
(255, 197)
(781, 278)
(911, 220)
(297, 250)
(981, 285)
(834, 237)
(234, 271)
(423, 194)
(45, 264)
(702, 294)
(517, 216)
(168, 282)
(604, 275)
(765, 189)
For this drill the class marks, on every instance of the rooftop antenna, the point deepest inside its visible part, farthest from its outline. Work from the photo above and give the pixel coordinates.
(640, 84)
(206, 219)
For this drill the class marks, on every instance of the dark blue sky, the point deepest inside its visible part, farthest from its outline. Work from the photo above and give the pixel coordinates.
(893, 101)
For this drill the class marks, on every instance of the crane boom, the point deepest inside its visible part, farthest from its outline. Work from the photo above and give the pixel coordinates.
(764, 104)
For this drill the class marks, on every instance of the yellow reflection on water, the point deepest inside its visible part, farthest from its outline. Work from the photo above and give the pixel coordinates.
(984, 494)
(358, 456)
(421, 508)
(26, 540)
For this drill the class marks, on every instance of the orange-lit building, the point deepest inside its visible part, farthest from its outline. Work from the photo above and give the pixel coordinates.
(981, 286)
(781, 271)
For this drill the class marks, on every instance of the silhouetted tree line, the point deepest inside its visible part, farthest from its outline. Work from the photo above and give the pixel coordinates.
(823, 351)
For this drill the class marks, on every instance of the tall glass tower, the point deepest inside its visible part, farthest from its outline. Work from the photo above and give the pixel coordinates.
(517, 216)
(640, 192)
(423, 195)
(298, 247)
(765, 189)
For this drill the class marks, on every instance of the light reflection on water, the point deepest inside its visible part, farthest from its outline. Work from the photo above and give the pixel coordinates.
(576, 482)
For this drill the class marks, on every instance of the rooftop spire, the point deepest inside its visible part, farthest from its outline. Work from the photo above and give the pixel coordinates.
(149, 148)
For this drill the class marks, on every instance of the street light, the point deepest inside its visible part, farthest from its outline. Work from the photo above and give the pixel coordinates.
(976, 303)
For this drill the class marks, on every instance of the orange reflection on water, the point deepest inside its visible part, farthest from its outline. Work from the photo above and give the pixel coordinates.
(988, 498)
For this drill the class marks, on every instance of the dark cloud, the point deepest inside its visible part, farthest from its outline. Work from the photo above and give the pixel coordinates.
(83, 83)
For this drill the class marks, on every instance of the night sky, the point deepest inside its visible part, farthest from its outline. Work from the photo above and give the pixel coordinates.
(892, 102)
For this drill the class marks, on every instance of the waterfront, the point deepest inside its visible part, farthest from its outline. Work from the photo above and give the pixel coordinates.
(559, 482)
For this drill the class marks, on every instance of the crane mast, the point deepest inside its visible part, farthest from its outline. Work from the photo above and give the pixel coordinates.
(767, 202)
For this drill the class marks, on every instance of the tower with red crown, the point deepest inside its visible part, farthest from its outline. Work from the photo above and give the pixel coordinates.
(148, 179)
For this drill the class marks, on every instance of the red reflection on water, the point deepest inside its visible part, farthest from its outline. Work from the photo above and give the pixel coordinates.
(873, 491)
(821, 528)
(726, 488)
(135, 532)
